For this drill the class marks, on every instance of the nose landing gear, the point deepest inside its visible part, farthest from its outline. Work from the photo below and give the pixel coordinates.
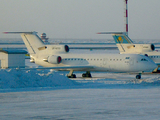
(138, 76)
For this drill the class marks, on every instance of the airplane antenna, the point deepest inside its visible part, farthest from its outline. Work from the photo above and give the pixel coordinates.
(126, 16)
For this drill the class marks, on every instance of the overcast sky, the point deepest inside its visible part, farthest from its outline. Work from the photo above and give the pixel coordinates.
(80, 18)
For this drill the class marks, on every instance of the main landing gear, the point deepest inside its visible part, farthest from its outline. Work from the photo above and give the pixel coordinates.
(138, 76)
(71, 75)
(87, 74)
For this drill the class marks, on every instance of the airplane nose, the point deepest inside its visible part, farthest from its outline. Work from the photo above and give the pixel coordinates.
(156, 66)
(153, 66)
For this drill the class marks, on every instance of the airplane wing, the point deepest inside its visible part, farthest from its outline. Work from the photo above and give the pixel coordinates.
(65, 68)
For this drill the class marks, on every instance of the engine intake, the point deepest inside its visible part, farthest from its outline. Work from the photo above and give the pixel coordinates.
(152, 47)
(66, 48)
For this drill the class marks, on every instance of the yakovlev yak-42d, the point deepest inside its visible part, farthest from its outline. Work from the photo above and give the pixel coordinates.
(126, 46)
(58, 57)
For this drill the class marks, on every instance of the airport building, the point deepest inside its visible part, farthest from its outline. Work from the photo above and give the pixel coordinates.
(12, 58)
(43, 38)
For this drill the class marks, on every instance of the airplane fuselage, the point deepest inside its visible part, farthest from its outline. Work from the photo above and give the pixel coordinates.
(101, 62)
(126, 49)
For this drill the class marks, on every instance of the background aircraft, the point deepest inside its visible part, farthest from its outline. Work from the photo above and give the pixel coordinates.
(126, 46)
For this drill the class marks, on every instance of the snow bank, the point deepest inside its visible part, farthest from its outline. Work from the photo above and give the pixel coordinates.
(11, 78)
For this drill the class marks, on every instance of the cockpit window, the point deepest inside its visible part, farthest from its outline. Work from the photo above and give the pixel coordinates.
(127, 57)
(143, 59)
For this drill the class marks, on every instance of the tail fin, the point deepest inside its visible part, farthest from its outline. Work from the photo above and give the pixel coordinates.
(122, 40)
(31, 40)
(119, 37)
(124, 43)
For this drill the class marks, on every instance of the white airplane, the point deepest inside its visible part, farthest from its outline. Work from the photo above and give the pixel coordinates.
(58, 57)
(126, 46)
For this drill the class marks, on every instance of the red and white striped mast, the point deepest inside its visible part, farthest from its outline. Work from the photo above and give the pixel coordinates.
(126, 16)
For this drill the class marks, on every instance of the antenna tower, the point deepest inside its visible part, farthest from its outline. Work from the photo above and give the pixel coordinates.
(126, 15)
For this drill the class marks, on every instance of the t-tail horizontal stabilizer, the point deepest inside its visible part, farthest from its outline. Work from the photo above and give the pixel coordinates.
(119, 37)
(34, 32)
(111, 33)
(31, 40)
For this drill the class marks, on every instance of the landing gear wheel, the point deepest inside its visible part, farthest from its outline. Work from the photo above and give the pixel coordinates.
(84, 75)
(87, 74)
(138, 76)
(72, 76)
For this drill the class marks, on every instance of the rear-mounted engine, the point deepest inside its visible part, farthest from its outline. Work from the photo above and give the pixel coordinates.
(60, 48)
(148, 48)
(66, 48)
(53, 59)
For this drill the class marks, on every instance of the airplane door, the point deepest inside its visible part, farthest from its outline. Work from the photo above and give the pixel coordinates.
(105, 64)
(105, 61)
(127, 60)
(131, 62)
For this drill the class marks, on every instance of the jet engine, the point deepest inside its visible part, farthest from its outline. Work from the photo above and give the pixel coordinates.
(146, 47)
(53, 59)
(137, 48)
(60, 48)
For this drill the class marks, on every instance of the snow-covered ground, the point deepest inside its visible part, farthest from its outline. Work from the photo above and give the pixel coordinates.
(82, 104)
(47, 94)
